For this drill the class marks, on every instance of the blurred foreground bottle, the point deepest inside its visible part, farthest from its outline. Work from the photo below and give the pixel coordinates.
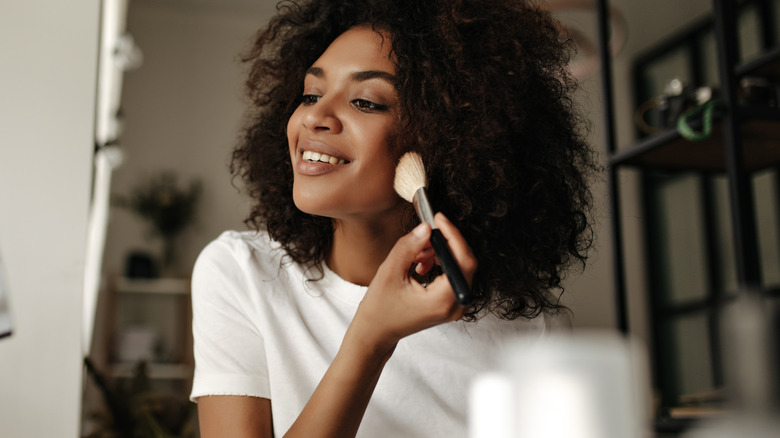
(581, 385)
(751, 356)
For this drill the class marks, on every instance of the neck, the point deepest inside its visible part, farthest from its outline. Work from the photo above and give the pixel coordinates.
(359, 247)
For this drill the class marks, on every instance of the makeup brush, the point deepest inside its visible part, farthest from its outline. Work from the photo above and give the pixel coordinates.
(410, 183)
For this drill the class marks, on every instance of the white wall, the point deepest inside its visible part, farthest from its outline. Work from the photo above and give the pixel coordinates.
(47, 84)
(183, 112)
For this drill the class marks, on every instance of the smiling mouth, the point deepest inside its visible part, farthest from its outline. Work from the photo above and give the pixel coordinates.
(316, 157)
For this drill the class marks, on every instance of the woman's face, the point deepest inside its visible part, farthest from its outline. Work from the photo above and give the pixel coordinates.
(338, 135)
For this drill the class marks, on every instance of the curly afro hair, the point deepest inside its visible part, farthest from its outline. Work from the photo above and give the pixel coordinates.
(484, 94)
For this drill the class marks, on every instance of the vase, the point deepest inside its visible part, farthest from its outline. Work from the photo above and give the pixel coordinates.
(168, 258)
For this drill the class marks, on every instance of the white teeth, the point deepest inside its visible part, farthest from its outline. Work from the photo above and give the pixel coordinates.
(315, 157)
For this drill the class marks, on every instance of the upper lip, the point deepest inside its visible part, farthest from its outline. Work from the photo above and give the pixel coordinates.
(320, 147)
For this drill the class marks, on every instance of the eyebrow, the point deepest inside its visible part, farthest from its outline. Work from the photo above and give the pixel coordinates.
(359, 76)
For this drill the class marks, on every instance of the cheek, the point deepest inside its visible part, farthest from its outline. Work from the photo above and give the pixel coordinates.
(381, 172)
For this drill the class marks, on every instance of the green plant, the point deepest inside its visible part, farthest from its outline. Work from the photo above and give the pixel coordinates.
(166, 206)
(137, 411)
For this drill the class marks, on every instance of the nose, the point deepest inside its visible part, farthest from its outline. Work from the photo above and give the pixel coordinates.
(322, 117)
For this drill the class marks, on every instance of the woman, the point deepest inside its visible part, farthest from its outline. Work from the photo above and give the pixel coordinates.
(316, 324)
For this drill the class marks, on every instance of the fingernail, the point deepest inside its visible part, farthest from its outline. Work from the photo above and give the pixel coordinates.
(420, 230)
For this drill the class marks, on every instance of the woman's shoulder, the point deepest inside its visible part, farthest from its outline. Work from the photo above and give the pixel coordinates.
(240, 244)
(259, 240)
(240, 251)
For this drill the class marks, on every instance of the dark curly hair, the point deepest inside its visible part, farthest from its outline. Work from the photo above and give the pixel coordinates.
(485, 99)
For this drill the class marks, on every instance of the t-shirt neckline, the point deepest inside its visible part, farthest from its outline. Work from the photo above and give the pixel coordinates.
(334, 285)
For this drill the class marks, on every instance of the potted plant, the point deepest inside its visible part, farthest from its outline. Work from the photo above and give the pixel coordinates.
(167, 207)
(135, 410)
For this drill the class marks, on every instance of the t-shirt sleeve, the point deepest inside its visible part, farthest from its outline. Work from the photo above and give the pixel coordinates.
(228, 347)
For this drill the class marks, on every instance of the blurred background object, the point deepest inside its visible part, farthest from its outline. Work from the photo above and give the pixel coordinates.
(117, 53)
(753, 385)
(166, 208)
(578, 18)
(5, 308)
(581, 385)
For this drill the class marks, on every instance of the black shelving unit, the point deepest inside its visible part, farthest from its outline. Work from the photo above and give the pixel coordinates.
(744, 140)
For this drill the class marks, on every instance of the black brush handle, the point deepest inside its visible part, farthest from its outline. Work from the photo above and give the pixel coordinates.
(451, 268)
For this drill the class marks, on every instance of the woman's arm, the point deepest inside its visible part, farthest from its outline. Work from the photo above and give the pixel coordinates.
(395, 306)
(335, 409)
(235, 416)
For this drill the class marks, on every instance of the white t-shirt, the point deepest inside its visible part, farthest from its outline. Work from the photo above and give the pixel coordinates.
(262, 329)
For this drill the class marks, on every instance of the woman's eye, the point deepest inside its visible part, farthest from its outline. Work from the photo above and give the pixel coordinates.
(309, 99)
(367, 105)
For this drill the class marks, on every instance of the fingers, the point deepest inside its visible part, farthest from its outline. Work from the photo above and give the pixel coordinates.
(425, 260)
(415, 247)
(396, 305)
(458, 246)
(424, 266)
(409, 248)
(462, 252)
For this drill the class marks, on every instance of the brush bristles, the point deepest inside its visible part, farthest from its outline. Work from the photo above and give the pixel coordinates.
(409, 176)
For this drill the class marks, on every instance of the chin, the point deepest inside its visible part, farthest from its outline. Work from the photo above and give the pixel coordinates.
(306, 208)
(312, 206)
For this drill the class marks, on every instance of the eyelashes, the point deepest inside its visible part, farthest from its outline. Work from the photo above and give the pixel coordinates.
(363, 105)
(367, 105)
(309, 99)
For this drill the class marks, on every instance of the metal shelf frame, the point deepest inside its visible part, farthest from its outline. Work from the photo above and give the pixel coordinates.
(723, 23)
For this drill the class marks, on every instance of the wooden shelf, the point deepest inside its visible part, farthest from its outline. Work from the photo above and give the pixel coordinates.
(157, 371)
(161, 305)
(674, 425)
(171, 286)
(670, 151)
(767, 65)
(760, 128)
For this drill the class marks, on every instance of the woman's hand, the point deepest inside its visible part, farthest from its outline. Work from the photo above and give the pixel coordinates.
(396, 305)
